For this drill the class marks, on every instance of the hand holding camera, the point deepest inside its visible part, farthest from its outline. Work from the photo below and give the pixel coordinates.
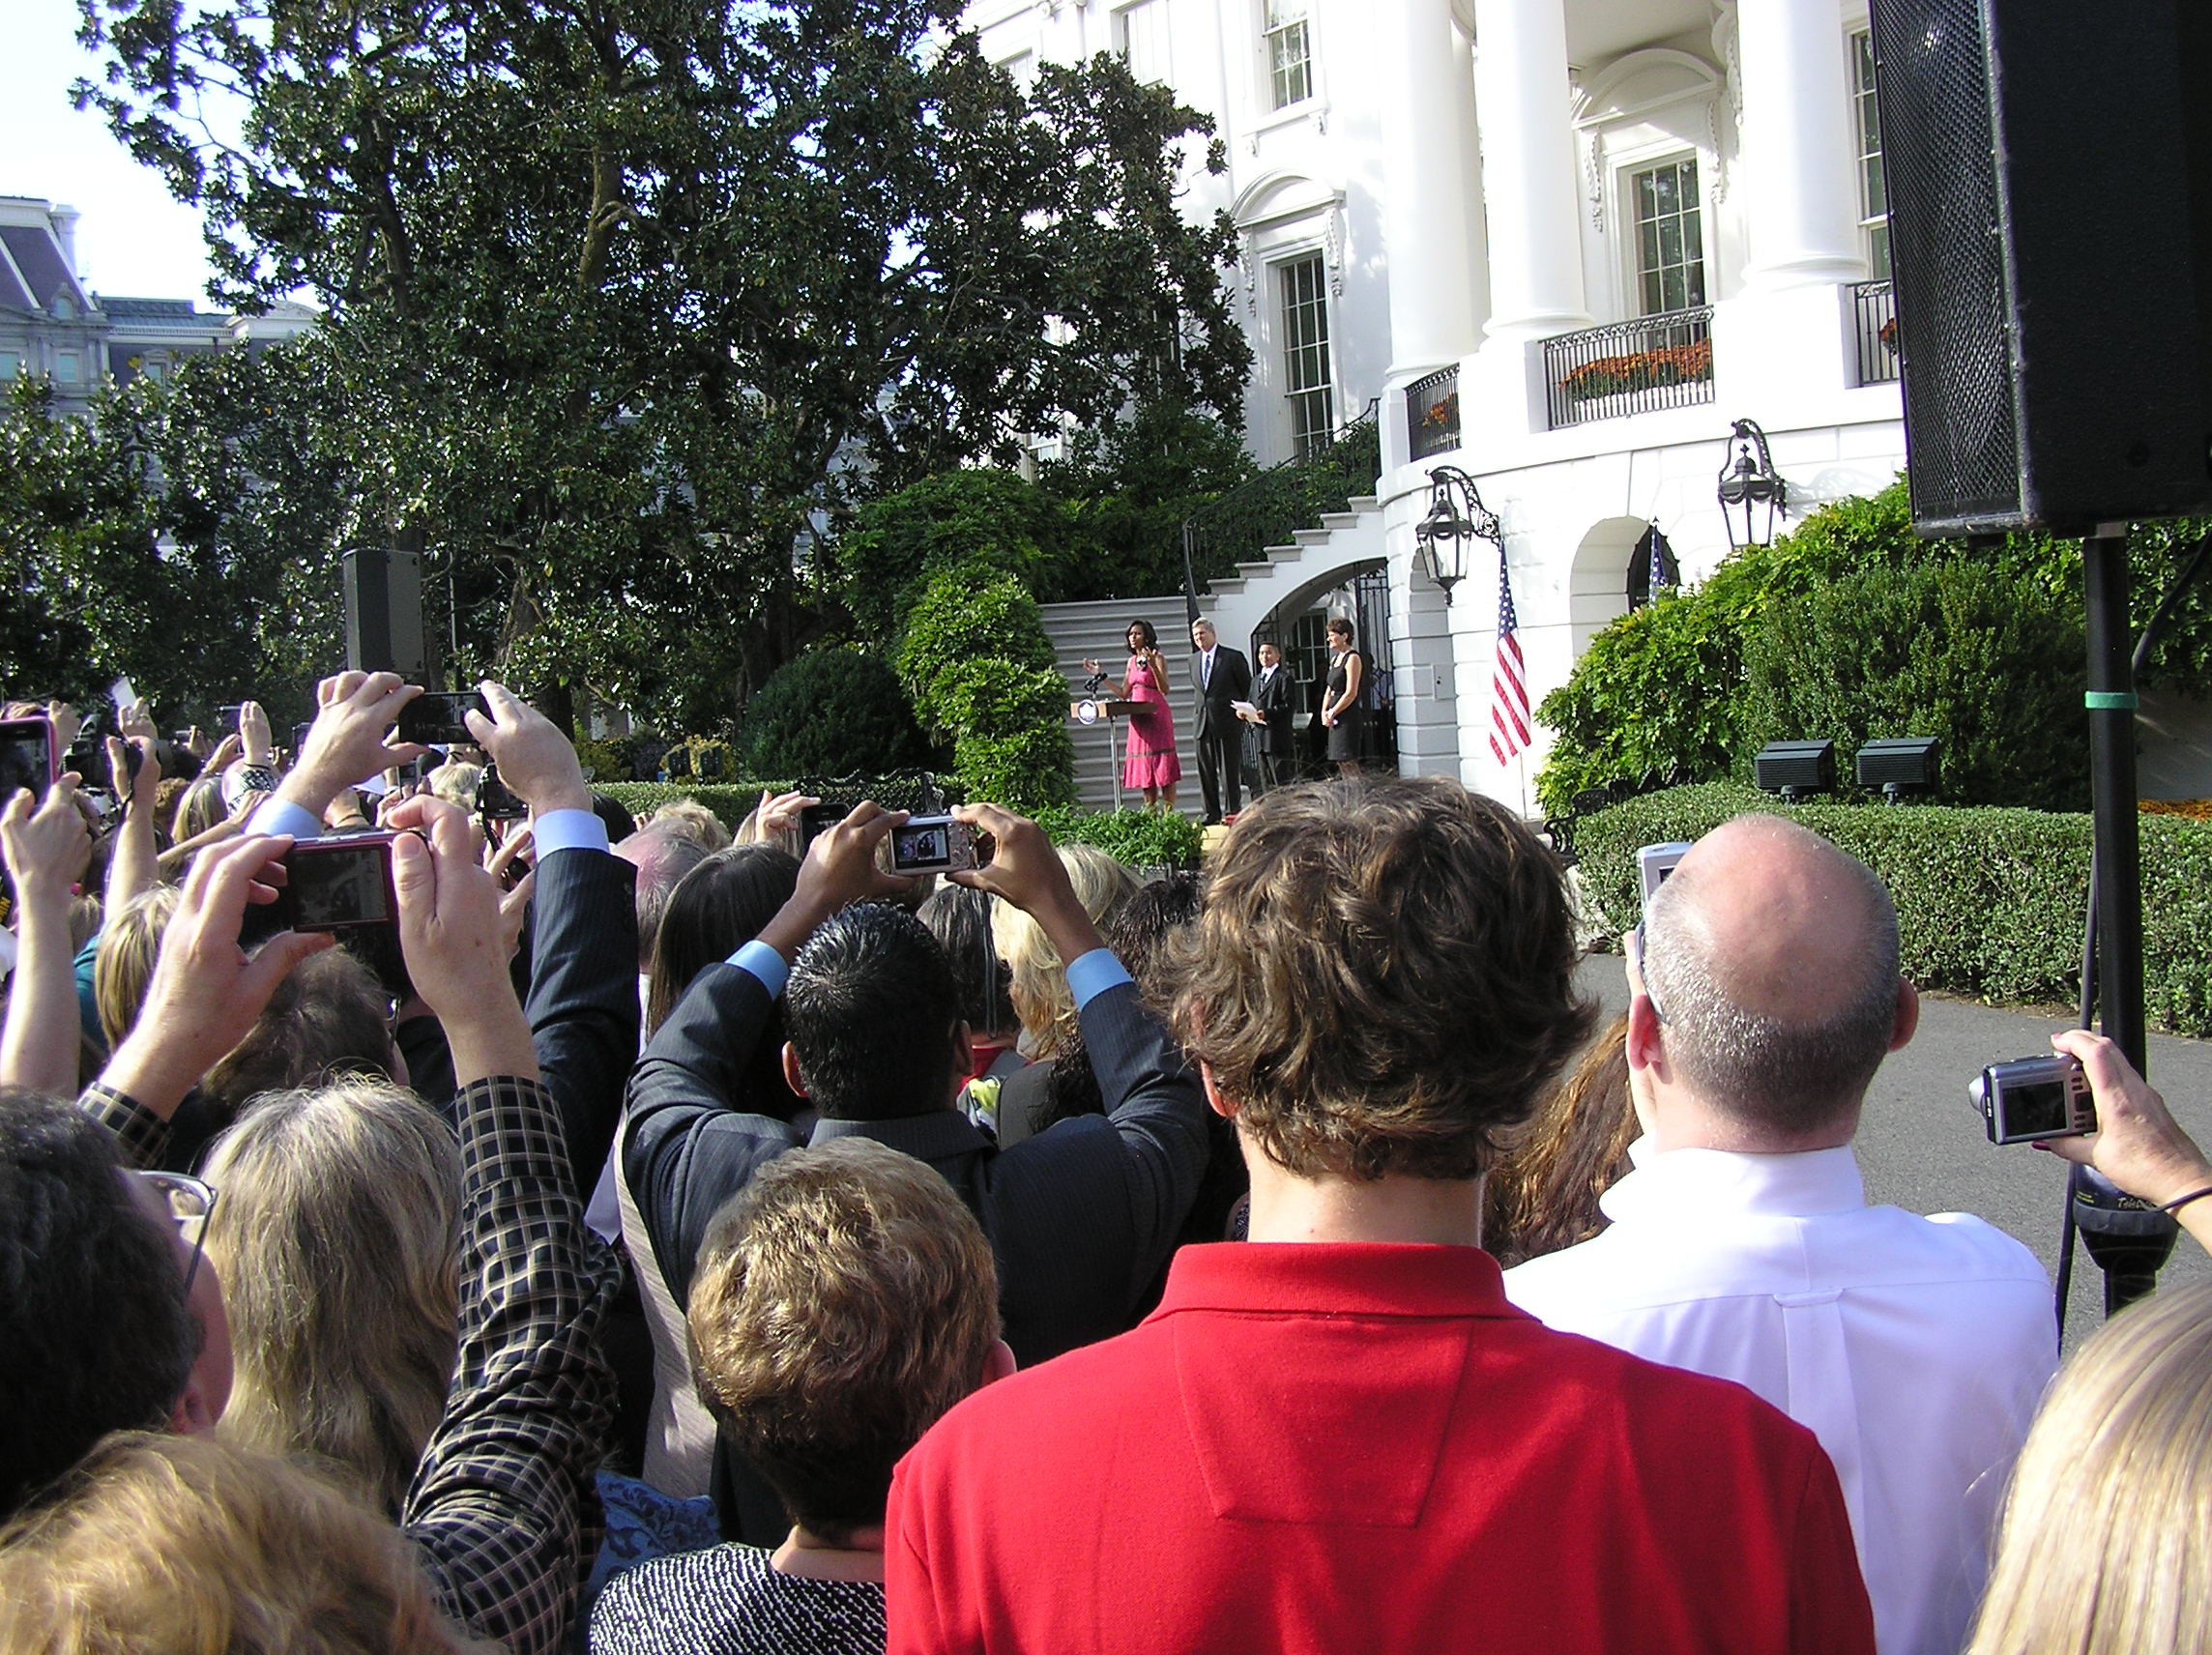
(536, 761)
(451, 933)
(350, 739)
(1026, 871)
(2135, 1141)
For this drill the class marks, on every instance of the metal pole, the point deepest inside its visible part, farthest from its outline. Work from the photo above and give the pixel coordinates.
(2128, 1240)
(1189, 578)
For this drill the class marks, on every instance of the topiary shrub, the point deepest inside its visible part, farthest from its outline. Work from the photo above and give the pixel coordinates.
(982, 520)
(1990, 902)
(1135, 838)
(981, 669)
(832, 711)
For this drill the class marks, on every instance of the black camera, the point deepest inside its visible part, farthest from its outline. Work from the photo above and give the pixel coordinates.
(434, 718)
(496, 801)
(2033, 1098)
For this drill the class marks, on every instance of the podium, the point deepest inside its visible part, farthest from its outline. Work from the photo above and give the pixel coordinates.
(1094, 710)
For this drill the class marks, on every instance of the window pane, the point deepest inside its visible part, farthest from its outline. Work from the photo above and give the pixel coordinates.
(1670, 237)
(1306, 368)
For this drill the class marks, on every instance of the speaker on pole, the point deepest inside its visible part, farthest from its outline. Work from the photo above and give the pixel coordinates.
(2049, 174)
(384, 612)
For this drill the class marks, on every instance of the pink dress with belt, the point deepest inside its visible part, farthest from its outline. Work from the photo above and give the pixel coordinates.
(1151, 759)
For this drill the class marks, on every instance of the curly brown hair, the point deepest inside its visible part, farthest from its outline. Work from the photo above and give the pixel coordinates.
(845, 1299)
(1383, 977)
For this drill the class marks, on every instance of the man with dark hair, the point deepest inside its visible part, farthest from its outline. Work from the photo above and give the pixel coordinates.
(1341, 1435)
(1764, 995)
(1080, 1219)
(75, 1233)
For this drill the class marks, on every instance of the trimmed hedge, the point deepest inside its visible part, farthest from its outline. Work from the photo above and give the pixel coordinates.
(1135, 838)
(1990, 902)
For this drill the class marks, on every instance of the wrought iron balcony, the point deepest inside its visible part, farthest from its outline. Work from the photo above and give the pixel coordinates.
(1874, 304)
(1432, 414)
(1631, 367)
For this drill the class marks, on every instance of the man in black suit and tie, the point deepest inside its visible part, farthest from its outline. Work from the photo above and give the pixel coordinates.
(1274, 698)
(1224, 676)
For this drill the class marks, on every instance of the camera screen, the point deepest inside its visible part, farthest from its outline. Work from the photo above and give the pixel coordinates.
(436, 717)
(333, 888)
(914, 845)
(23, 761)
(2037, 1110)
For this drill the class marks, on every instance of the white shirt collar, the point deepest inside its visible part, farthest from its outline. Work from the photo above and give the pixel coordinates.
(1690, 1183)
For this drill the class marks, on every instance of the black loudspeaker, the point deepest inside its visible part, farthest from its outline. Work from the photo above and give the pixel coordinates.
(384, 612)
(2048, 168)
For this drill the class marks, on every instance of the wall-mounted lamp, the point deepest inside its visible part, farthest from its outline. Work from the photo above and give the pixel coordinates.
(1456, 519)
(1747, 482)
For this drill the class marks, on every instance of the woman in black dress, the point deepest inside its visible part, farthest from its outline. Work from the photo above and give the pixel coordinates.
(1340, 712)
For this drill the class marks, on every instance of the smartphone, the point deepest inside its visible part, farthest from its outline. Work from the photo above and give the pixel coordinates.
(341, 883)
(27, 756)
(496, 800)
(435, 717)
(226, 718)
(300, 737)
(931, 845)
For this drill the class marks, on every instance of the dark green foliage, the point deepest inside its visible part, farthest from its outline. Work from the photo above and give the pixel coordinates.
(829, 713)
(1240, 525)
(1978, 654)
(1990, 903)
(631, 305)
(980, 670)
(1849, 626)
(1129, 486)
(1135, 838)
(989, 521)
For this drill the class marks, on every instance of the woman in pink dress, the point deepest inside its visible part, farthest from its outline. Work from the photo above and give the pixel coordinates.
(1150, 766)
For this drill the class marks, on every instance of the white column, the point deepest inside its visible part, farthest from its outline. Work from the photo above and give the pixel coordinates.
(1429, 187)
(1799, 154)
(1522, 102)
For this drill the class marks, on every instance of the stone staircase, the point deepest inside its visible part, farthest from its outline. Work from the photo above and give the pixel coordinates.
(1309, 563)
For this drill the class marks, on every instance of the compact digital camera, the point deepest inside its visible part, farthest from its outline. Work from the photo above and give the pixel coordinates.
(1654, 863)
(2033, 1098)
(931, 845)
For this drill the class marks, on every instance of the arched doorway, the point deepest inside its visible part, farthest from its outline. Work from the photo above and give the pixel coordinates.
(1299, 627)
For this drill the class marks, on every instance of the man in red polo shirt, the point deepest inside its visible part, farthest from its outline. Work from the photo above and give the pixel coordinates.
(1339, 1436)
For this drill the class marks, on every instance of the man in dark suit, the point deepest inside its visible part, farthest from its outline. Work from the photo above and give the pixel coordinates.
(1274, 698)
(1224, 676)
(1081, 1218)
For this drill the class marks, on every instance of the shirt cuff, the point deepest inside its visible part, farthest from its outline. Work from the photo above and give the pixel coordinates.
(1092, 974)
(568, 831)
(766, 966)
(282, 816)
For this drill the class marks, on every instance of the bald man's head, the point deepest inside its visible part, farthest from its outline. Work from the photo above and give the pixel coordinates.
(1772, 957)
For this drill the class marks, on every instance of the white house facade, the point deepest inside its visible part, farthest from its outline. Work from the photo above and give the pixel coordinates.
(1566, 243)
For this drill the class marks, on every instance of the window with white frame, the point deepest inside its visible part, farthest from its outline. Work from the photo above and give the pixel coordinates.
(1141, 40)
(1670, 237)
(1874, 189)
(1308, 385)
(68, 367)
(1290, 52)
(10, 363)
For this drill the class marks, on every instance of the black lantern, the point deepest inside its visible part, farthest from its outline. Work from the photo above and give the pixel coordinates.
(1456, 518)
(1748, 482)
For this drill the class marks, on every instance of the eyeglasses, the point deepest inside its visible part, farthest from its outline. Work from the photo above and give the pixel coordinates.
(189, 1203)
(1636, 964)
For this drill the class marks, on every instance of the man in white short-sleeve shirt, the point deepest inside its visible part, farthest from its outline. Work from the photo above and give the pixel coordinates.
(1764, 995)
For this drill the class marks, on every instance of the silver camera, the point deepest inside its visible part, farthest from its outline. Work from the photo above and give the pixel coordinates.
(933, 845)
(2033, 1098)
(1654, 863)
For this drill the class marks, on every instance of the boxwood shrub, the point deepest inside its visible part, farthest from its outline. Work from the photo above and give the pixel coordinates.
(1990, 902)
(1136, 838)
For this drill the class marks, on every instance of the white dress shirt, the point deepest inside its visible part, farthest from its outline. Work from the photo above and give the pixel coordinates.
(1914, 1348)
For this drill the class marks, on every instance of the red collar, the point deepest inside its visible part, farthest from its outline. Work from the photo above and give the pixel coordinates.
(1341, 1278)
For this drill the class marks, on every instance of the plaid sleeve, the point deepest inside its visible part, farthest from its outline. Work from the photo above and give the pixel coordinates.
(503, 1508)
(140, 1133)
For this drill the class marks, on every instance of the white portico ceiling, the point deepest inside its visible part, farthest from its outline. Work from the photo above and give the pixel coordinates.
(1601, 30)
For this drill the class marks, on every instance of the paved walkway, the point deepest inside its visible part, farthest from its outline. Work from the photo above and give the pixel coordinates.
(1922, 1143)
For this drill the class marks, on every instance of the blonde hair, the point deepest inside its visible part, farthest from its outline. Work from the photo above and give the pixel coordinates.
(336, 1236)
(844, 1300)
(689, 818)
(183, 1545)
(200, 809)
(2103, 1551)
(456, 782)
(1039, 987)
(128, 946)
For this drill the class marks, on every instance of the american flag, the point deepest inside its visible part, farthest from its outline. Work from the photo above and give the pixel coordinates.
(1508, 682)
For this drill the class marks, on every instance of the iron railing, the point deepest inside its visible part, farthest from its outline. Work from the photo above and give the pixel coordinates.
(1631, 367)
(1432, 414)
(1264, 510)
(1873, 305)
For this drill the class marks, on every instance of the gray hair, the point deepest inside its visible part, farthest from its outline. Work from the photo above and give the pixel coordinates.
(1789, 1078)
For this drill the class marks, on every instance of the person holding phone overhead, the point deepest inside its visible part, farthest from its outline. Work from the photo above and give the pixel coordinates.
(1151, 766)
(1341, 710)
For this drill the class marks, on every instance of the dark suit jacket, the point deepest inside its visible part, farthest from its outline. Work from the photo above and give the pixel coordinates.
(1232, 682)
(1276, 697)
(1079, 1218)
(581, 1002)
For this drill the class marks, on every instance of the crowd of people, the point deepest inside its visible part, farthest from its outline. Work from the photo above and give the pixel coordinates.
(636, 1235)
